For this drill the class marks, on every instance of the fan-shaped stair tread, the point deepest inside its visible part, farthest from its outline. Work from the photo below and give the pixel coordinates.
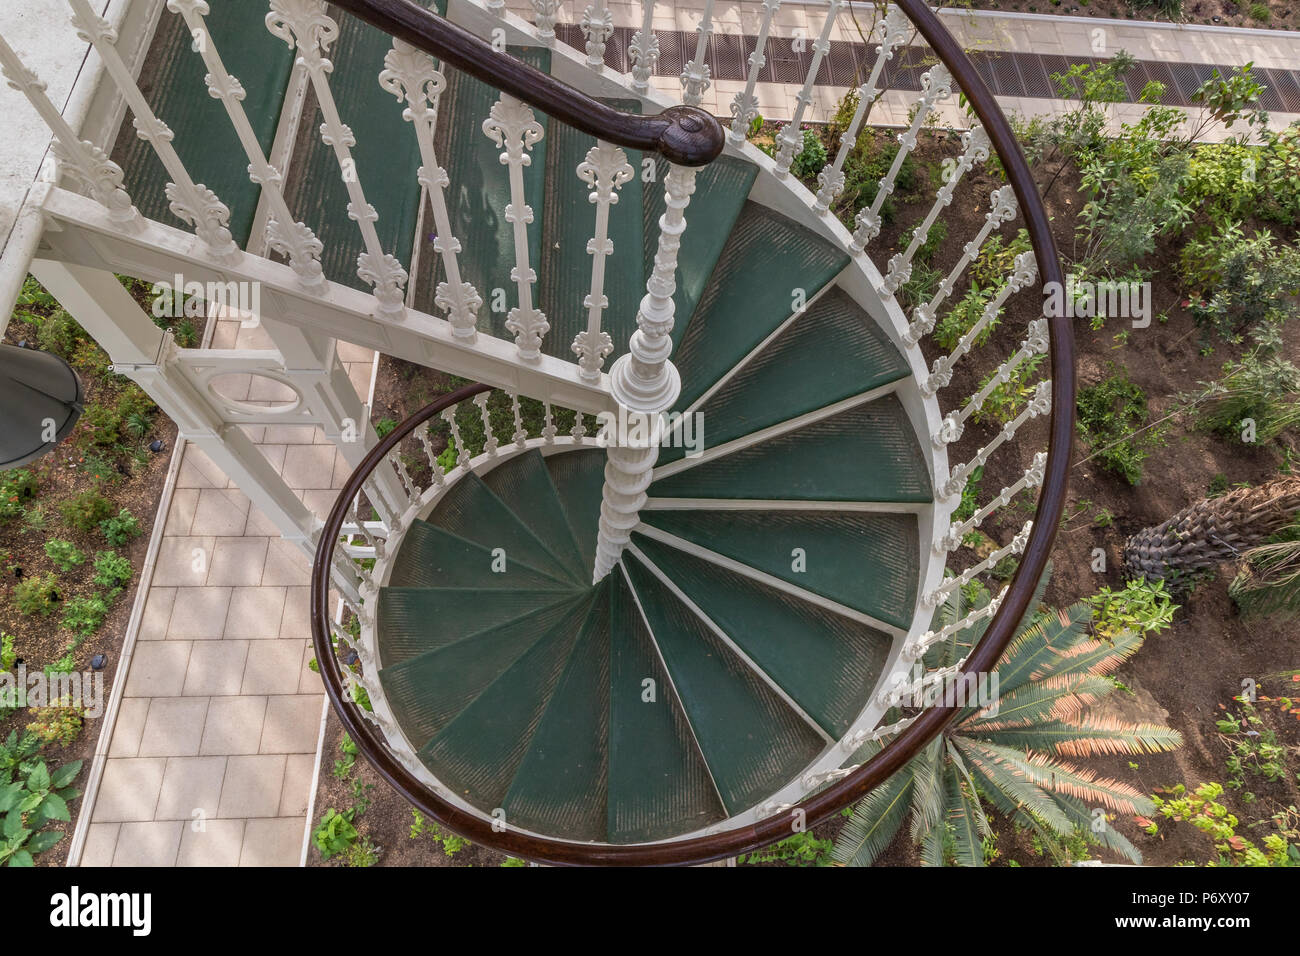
(412, 621)
(659, 784)
(477, 753)
(750, 293)
(827, 663)
(752, 740)
(470, 510)
(578, 477)
(564, 277)
(863, 560)
(561, 785)
(428, 691)
(865, 453)
(480, 192)
(434, 558)
(524, 483)
(830, 353)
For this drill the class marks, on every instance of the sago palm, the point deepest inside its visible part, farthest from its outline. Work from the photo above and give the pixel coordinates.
(1010, 752)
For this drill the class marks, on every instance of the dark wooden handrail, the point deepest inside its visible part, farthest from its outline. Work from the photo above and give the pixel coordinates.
(685, 135)
(898, 751)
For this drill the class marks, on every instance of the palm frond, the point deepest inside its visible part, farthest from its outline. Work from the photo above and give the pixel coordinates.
(875, 821)
(1035, 651)
(962, 822)
(981, 819)
(1059, 697)
(927, 791)
(1056, 776)
(1090, 736)
(1012, 790)
(1110, 838)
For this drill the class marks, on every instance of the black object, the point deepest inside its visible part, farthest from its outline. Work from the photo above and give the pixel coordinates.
(37, 391)
(98, 661)
(156, 445)
(350, 658)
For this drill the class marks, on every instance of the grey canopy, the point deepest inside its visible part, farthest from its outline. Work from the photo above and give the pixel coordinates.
(40, 397)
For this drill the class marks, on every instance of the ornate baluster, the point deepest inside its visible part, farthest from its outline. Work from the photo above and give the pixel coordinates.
(1035, 343)
(544, 16)
(1017, 545)
(462, 453)
(1004, 209)
(916, 647)
(191, 202)
(413, 76)
(1023, 273)
(745, 106)
(496, 6)
(695, 78)
(283, 233)
(520, 437)
(790, 139)
(854, 741)
(304, 26)
(976, 147)
(831, 179)
(605, 169)
(1032, 478)
(82, 161)
(512, 125)
(936, 85)
(371, 541)
(1040, 404)
(597, 27)
(643, 51)
(490, 439)
(394, 457)
(548, 428)
(579, 430)
(434, 467)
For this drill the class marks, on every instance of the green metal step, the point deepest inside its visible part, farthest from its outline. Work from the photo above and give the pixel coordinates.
(561, 785)
(479, 193)
(751, 291)
(172, 82)
(433, 558)
(564, 278)
(866, 561)
(525, 482)
(659, 785)
(477, 753)
(865, 453)
(411, 621)
(386, 153)
(427, 692)
(827, 663)
(832, 352)
(753, 741)
(470, 510)
(579, 476)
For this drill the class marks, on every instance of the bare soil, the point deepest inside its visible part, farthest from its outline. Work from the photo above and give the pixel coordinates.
(1225, 13)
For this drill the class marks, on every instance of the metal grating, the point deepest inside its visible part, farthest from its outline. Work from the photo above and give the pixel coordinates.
(840, 66)
(1286, 83)
(1135, 81)
(1034, 73)
(673, 52)
(1185, 84)
(1270, 99)
(727, 57)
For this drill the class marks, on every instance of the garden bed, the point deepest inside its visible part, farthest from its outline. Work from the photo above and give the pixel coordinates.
(1259, 14)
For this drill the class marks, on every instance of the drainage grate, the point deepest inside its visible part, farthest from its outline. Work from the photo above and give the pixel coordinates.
(1286, 85)
(727, 57)
(840, 66)
(1034, 73)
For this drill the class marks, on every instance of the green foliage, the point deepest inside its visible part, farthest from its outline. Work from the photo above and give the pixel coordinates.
(60, 334)
(931, 243)
(802, 849)
(17, 487)
(811, 157)
(1112, 416)
(36, 594)
(112, 571)
(1268, 578)
(1241, 282)
(30, 797)
(7, 653)
(970, 496)
(84, 615)
(920, 286)
(451, 843)
(1203, 810)
(85, 510)
(343, 765)
(1261, 387)
(361, 853)
(1006, 399)
(1143, 607)
(64, 554)
(1253, 747)
(513, 861)
(864, 167)
(119, 528)
(997, 258)
(385, 426)
(58, 723)
(335, 834)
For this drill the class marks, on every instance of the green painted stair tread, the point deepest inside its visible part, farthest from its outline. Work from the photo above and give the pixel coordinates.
(525, 485)
(579, 477)
(433, 558)
(753, 741)
(564, 277)
(865, 453)
(470, 510)
(721, 190)
(413, 621)
(659, 785)
(477, 753)
(866, 561)
(479, 193)
(386, 157)
(172, 82)
(561, 785)
(750, 293)
(427, 692)
(827, 663)
(832, 352)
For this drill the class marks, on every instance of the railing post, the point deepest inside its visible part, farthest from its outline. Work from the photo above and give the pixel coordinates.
(605, 169)
(695, 78)
(745, 106)
(790, 139)
(644, 383)
(643, 51)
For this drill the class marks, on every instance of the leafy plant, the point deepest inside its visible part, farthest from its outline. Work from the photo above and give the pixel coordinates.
(17, 487)
(450, 842)
(84, 615)
(36, 594)
(811, 157)
(385, 426)
(119, 528)
(1262, 389)
(1240, 282)
(361, 853)
(64, 554)
(85, 510)
(335, 834)
(57, 723)
(28, 803)
(1112, 419)
(112, 571)
(1268, 577)
(802, 849)
(1143, 607)
(1203, 810)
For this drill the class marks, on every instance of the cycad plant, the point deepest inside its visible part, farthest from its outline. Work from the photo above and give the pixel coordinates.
(1268, 578)
(1011, 756)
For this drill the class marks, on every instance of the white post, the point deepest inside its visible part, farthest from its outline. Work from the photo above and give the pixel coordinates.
(745, 107)
(790, 139)
(597, 27)
(643, 51)
(544, 15)
(605, 169)
(695, 78)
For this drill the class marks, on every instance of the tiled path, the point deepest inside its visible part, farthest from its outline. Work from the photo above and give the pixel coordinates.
(1161, 45)
(211, 758)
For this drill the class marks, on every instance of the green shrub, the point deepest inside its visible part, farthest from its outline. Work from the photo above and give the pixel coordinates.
(1240, 282)
(17, 487)
(84, 615)
(385, 426)
(1260, 388)
(85, 510)
(112, 571)
(961, 318)
(811, 158)
(64, 554)
(28, 803)
(1112, 419)
(37, 594)
(119, 528)
(58, 723)
(335, 833)
(60, 334)
(1143, 607)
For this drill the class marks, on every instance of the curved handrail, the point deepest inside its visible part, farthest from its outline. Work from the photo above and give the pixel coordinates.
(927, 725)
(685, 135)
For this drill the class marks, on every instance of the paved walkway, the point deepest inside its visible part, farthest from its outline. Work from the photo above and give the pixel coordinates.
(213, 751)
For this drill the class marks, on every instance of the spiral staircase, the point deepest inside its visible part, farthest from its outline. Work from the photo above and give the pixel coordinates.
(572, 645)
